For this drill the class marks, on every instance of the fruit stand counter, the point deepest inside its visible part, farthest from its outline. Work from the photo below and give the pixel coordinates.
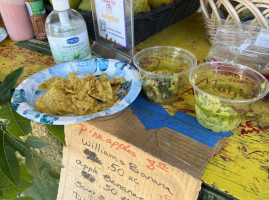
(239, 170)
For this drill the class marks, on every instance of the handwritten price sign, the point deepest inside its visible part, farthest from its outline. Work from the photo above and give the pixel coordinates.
(98, 165)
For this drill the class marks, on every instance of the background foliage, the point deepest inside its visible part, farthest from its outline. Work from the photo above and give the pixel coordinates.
(25, 173)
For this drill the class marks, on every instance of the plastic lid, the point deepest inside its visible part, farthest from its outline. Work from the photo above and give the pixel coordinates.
(60, 5)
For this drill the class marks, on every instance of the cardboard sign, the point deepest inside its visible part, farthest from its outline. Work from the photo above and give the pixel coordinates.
(98, 165)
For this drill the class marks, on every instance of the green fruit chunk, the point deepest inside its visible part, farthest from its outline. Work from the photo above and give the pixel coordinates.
(159, 3)
(85, 5)
(139, 6)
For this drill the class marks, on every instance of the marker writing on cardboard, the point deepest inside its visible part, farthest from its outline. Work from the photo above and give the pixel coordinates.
(112, 144)
(124, 170)
(116, 174)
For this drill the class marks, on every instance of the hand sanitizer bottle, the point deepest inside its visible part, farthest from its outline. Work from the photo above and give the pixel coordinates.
(67, 33)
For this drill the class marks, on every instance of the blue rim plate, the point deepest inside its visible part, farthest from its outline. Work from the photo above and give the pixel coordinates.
(26, 94)
(3, 34)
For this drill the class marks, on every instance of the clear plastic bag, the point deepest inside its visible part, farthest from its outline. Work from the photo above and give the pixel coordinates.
(243, 44)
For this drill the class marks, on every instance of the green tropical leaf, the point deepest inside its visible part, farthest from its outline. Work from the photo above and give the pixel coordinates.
(3, 122)
(9, 164)
(36, 142)
(24, 198)
(34, 162)
(25, 174)
(43, 190)
(16, 125)
(8, 84)
(55, 173)
(58, 132)
(8, 190)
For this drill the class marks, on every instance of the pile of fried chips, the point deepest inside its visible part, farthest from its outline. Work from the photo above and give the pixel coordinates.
(81, 96)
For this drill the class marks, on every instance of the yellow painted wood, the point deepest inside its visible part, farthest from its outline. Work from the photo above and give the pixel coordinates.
(12, 57)
(241, 168)
(188, 34)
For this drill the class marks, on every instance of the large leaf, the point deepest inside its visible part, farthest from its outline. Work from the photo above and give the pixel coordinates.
(17, 126)
(43, 190)
(25, 174)
(9, 164)
(8, 190)
(55, 173)
(36, 142)
(34, 162)
(24, 198)
(8, 84)
(57, 131)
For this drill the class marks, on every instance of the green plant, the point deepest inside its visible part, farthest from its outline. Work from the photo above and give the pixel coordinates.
(76, 55)
(22, 169)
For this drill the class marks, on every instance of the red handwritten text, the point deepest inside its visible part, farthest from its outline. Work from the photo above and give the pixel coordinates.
(204, 80)
(163, 197)
(249, 124)
(241, 81)
(112, 144)
(160, 165)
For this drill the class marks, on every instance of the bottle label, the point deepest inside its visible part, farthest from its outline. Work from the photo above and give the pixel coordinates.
(67, 49)
(35, 7)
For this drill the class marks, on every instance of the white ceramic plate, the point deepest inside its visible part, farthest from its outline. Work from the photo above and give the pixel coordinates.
(3, 34)
(26, 94)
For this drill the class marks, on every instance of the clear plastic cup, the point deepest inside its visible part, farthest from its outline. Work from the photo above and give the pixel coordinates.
(164, 72)
(224, 92)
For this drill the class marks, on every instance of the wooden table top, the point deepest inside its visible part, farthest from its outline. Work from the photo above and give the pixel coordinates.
(241, 168)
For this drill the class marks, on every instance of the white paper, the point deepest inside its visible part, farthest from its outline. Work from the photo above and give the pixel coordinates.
(111, 21)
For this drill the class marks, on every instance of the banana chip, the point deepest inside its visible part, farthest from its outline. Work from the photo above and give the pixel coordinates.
(46, 84)
(81, 96)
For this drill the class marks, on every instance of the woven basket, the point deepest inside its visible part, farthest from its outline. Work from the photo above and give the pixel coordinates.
(253, 11)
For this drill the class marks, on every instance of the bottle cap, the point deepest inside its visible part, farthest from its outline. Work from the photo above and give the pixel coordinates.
(60, 5)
